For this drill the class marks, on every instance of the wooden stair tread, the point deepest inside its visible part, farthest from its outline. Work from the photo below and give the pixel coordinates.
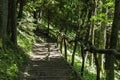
(52, 67)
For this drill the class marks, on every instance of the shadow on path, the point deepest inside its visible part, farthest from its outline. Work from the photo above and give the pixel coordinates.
(47, 63)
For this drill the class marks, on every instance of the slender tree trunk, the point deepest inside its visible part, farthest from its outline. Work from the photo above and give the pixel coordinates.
(65, 44)
(74, 50)
(61, 45)
(97, 66)
(65, 49)
(48, 29)
(102, 39)
(83, 60)
(113, 42)
(20, 13)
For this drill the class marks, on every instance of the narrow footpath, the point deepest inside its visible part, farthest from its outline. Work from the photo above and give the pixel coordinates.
(47, 63)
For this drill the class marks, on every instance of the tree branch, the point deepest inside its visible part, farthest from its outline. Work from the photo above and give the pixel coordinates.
(91, 48)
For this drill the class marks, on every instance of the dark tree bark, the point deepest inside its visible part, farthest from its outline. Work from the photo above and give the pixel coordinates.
(3, 21)
(11, 27)
(61, 45)
(0, 24)
(97, 66)
(113, 42)
(83, 59)
(74, 50)
(93, 49)
(35, 16)
(20, 13)
(65, 48)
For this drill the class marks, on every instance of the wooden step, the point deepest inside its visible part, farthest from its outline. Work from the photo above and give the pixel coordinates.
(45, 49)
(49, 78)
(47, 65)
(44, 63)
(44, 45)
(53, 72)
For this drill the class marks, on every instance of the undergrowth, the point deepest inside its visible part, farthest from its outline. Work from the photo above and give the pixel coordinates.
(12, 59)
(10, 63)
(89, 71)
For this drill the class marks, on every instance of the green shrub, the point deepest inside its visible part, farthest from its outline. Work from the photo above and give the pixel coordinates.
(10, 62)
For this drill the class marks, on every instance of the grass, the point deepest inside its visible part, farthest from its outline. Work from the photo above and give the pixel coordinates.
(89, 71)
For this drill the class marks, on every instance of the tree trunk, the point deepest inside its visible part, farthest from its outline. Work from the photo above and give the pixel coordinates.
(20, 13)
(3, 21)
(113, 42)
(83, 59)
(48, 29)
(74, 50)
(102, 39)
(61, 45)
(12, 27)
(97, 66)
(65, 49)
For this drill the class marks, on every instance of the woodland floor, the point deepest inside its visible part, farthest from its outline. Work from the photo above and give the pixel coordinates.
(47, 63)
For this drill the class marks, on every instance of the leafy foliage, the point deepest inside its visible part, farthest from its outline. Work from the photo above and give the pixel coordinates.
(11, 61)
(26, 36)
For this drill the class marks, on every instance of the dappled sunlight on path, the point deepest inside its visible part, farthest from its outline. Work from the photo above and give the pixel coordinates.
(47, 63)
